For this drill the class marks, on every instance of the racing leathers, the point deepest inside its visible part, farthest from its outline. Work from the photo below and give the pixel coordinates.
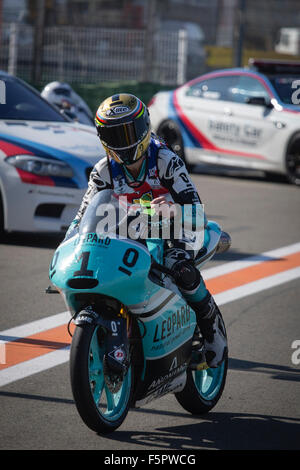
(163, 173)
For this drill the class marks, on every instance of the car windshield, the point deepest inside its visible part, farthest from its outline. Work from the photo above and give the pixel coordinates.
(286, 87)
(19, 102)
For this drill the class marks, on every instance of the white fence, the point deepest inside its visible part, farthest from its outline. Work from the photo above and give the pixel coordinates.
(90, 55)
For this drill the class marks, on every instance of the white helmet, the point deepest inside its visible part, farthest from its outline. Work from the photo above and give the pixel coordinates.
(64, 97)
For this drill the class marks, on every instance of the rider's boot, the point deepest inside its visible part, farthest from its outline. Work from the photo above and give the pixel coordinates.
(212, 328)
(213, 347)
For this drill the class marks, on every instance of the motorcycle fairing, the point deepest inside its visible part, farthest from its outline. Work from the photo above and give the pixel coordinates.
(163, 375)
(87, 265)
(166, 357)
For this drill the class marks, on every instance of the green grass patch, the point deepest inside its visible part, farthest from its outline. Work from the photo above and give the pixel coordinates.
(94, 94)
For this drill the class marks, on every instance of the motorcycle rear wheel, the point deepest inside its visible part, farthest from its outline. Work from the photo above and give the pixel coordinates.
(203, 389)
(101, 409)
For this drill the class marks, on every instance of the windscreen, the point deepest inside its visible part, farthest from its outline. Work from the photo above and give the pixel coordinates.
(287, 87)
(111, 216)
(103, 215)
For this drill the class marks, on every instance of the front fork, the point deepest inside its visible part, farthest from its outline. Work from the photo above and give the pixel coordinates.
(116, 359)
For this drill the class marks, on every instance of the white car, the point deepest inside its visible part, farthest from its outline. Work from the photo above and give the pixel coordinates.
(45, 161)
(245, 117)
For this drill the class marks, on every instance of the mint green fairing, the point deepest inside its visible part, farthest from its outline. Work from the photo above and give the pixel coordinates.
(172, 328)
(105, 264)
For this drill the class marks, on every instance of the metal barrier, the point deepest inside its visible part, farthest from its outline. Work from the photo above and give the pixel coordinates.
(90, 55)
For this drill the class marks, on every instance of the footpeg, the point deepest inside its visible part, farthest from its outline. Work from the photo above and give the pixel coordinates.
(198, 360)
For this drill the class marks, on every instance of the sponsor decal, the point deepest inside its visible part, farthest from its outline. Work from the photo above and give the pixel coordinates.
(152, 172)
(159, 381)
(175, 164)
(296, 94)
(87, 316)
(93, 239)
(197, 139)
(118, 354)
(232, 132)
(174, 323)
(153, 177)
(117, 110)
(176, 384)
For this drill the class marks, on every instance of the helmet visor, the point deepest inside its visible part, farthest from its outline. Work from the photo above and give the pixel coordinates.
(127, 156)
(124, 136)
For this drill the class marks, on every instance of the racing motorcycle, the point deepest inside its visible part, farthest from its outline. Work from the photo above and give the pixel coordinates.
(134, 334)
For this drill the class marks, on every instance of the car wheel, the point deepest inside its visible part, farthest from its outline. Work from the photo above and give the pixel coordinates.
(1, 217)
(293, 160)
(169, 131)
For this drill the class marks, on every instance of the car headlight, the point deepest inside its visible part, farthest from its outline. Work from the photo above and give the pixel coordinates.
(40, 166)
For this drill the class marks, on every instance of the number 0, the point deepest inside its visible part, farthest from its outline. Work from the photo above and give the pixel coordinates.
(129, 259)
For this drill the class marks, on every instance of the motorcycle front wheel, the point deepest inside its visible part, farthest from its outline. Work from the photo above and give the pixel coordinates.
(203, 389)
(102, 409)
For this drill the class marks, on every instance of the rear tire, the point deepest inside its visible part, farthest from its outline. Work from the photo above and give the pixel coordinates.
(203, 389)
(101, 410)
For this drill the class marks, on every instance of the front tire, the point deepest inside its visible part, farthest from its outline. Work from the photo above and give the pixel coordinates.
(203, 389)
(101, 410)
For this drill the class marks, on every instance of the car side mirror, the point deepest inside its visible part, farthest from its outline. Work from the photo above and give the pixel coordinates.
(259, 101)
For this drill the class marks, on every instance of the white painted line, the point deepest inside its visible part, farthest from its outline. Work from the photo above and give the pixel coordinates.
(232, 266)
(34, 327)
(33, 366)
(257, 286)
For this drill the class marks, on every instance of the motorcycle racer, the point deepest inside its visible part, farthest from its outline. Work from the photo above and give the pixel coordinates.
(140, 164)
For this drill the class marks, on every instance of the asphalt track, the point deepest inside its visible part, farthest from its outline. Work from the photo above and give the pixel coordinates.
(256, 285)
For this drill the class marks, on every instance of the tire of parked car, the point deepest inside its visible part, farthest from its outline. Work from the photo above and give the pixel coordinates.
(169, 131)
(292, 160)
(1, 216)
